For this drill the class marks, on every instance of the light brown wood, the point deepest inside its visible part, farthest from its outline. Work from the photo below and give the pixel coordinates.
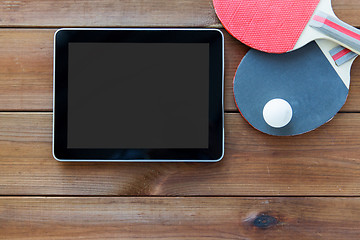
(324, 162)
(26, 71)
(180, 218)
(142, 13)
(124, 13)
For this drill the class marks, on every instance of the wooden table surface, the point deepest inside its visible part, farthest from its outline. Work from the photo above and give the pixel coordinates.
(304, 187)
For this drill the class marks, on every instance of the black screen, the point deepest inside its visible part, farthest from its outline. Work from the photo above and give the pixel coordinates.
(138, 95)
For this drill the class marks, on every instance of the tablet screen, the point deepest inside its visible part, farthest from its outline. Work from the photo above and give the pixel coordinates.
(138, 95)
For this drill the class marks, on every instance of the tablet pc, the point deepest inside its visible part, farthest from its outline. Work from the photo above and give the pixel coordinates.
(138, 95)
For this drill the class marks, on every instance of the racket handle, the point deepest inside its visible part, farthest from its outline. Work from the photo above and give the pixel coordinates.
(342, 55)
(345, 34)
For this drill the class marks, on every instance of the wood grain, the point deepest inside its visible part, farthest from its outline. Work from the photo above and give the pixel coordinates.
(200, 13)
(179, 218)
(325, 162)
(124, 13)
(26, 71)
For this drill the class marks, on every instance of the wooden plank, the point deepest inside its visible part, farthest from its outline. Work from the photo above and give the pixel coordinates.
(187, 13)
(347, 10)
(108, 13)
(325, 162)
(179, 218)
(26, 71)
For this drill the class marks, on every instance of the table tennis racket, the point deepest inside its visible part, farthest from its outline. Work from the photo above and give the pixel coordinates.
(293, 93)
(279, 26)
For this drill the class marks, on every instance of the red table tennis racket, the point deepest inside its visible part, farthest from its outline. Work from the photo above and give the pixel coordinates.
(293, 93)
(279, 26)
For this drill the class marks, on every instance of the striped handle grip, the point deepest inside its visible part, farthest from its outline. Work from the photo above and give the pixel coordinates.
(344, 33)
(342, 55)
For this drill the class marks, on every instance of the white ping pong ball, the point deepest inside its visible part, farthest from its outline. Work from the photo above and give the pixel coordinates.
(277, 113)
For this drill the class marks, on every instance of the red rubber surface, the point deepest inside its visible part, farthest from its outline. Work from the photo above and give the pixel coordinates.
(272, 26)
